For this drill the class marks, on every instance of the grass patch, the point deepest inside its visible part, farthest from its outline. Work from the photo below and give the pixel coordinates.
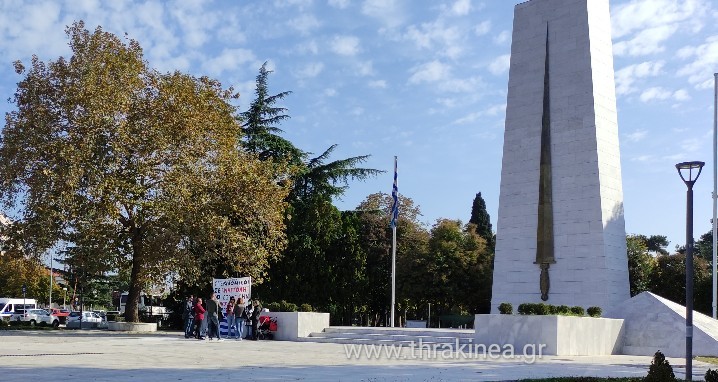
(583, 379)
(713, 360)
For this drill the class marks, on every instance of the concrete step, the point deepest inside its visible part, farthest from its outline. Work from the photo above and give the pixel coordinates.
(392, 336)
(434, 332)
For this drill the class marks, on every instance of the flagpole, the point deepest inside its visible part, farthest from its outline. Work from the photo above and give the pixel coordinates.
(394, 218)
(715, 186)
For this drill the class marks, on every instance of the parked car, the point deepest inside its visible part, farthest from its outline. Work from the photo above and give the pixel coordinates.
(37, 316)
(60, 312)
(86, 317)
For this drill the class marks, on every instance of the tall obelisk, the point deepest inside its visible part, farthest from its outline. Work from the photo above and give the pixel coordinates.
(561, 235)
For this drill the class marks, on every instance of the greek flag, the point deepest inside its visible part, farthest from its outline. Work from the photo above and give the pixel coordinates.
(395, 196)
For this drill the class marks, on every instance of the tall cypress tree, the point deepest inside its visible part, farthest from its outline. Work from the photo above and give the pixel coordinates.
(480, 217)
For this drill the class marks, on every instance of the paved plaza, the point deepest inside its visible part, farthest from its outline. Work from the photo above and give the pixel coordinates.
(105, 356)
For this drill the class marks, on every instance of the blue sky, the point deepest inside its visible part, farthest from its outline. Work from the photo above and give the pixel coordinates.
(423, 80)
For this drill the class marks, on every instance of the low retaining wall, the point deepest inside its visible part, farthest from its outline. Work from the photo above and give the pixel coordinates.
(294, 325)
(131, 326)
(558, 335)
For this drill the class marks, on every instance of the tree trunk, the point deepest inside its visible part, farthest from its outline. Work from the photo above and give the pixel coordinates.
(133, 295)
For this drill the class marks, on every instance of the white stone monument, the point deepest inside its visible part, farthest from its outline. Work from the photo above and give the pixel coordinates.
(560, 235)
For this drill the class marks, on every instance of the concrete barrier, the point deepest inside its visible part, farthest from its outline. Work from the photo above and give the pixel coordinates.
(559, 335)
(293, 325)
(131, 326)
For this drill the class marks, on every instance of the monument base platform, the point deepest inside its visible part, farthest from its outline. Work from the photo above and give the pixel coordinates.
(554, 335)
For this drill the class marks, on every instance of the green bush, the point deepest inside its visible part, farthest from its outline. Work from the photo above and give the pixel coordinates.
(526, 309)
(547, 309)
(305, 308)
(287, 306)
(506, 308)
(594, 311)
(660, 370)
(273, 306)
(542, 309)
(563, 310)
(711, 375)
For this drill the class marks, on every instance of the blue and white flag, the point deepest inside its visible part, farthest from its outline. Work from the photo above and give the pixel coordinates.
(395, 196)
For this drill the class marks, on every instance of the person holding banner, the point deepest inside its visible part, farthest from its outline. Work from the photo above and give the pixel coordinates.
(229, 313)
(238, 319)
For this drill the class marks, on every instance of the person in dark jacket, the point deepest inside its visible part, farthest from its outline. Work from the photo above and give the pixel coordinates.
(213, 309)
(256, 311)
(198, 318)
(247, 315)
(188, 316)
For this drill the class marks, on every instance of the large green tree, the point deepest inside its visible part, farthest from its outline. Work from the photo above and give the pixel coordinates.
(482, 221)
(260, 124)
(641, 264)
(142, 170)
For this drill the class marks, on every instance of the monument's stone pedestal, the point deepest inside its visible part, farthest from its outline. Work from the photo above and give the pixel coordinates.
(561, 200)
(554, 335)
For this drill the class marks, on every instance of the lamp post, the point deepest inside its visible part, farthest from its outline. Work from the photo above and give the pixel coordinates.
(64, 298)
(689, 172)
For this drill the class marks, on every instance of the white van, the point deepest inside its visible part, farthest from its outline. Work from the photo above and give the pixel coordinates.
(10, 306)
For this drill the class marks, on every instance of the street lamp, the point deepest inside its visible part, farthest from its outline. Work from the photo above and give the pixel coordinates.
(64, 306)
(689, 172)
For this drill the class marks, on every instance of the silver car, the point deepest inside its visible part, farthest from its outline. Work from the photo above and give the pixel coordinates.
(37, 316)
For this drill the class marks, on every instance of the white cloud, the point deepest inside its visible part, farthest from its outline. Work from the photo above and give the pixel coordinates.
(500, 65)
(502, 38)
(304, 23)
(637, 15)
(345, 45)
(643, 158)
(365, 68)
(377, 84)
(301, 4)
(341, 4)
(655, 93)
(389, 12)
(308, 47)
(310, 70)
(229, 59)
(681, 95)
(195, 22)
(433, 71)
(704, 58)
(483, 28)
(647, 41)
(693, 144)
(330, 92)
(436, 36)
(492, 111)
(626, 77)
(661, 94)
(439, 74)
(461, 7)
(636, 136)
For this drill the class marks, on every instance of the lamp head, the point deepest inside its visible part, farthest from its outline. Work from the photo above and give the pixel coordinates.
(690, 171)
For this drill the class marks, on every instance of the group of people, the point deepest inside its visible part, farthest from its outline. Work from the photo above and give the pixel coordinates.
(202, 320)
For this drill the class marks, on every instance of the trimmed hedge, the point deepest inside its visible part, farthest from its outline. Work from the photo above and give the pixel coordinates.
(594, 311)
(542, 309)
(506, 308)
